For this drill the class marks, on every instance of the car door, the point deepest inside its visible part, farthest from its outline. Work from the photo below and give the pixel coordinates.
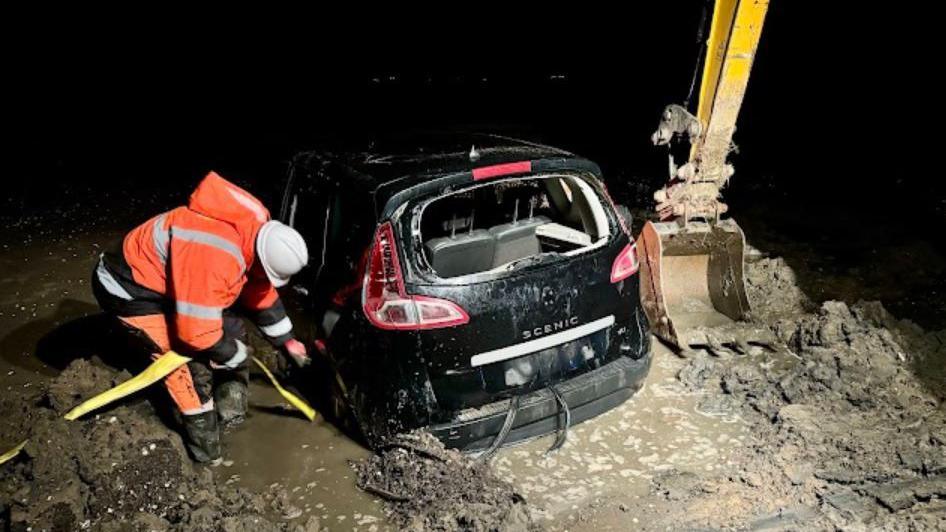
(306, 209)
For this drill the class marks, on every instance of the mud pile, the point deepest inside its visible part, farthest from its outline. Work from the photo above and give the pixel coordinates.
(773, 290)
(122, 469)
(846, 433)
(427, 487)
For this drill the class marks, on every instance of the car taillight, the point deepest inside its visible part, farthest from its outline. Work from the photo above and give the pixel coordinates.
(385, 301)
(626, 264)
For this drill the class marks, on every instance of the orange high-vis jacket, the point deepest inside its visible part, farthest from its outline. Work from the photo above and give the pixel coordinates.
(201, 260)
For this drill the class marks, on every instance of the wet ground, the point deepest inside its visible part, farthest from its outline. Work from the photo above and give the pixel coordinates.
(615, 472)
(310, 460)
(617, 454)
(45, 298)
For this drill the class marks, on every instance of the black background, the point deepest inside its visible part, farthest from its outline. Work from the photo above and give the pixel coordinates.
(838, 105)
(839, 137)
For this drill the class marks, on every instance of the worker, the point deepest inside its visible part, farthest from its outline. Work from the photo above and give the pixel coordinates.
(182, 279)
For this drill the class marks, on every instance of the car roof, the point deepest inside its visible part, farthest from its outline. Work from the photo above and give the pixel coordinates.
(386, 165)
(389, 158)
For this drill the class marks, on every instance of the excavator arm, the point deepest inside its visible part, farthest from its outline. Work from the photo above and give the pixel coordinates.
(693, 259)
(693, 191)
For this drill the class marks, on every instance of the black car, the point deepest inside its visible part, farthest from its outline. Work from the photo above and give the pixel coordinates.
(480, 286)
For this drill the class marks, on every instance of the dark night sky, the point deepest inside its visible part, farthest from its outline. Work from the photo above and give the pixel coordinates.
(836, 99)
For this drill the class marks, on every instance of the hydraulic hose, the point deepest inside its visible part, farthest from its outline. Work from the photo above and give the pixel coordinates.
(504, 431)
(563, 433)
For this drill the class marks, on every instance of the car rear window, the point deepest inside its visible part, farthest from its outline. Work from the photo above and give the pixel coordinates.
(506, 224)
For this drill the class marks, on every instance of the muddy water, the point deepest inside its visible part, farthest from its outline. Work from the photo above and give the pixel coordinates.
(44, 286)
(309, 460)
(616, 454)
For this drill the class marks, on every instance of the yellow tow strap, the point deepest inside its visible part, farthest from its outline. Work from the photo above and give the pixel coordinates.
(12, 452)
(156, 371)
(160, 368)
(295, 401)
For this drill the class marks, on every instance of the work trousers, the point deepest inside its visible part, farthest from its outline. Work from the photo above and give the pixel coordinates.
(190, 386)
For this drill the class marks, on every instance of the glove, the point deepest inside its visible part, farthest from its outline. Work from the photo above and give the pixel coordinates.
(243, 352)
(296, 351)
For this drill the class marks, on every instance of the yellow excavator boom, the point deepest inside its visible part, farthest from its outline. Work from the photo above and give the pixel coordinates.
(692, 273)
(730, 50)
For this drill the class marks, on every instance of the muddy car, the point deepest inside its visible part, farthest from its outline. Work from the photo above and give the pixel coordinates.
(483, 287)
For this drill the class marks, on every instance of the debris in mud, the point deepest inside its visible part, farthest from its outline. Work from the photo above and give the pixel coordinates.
(845, 433)
(773, 290)
(428, 487)
(119, 470)
(677, 485)
(735, 338)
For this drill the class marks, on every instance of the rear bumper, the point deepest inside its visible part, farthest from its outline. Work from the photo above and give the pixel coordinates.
(587, 396)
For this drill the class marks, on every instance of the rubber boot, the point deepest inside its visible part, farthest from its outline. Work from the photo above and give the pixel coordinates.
(203, 437)
(230, 398)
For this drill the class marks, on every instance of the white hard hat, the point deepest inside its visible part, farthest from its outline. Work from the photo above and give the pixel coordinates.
(281, 251)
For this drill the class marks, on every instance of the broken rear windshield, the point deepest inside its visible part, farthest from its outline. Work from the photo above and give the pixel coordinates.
(503, 225)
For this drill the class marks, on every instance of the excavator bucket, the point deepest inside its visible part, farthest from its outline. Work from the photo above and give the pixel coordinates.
(692, 277)
(692, 272)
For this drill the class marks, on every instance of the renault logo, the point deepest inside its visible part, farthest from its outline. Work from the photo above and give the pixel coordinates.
(548, 296)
